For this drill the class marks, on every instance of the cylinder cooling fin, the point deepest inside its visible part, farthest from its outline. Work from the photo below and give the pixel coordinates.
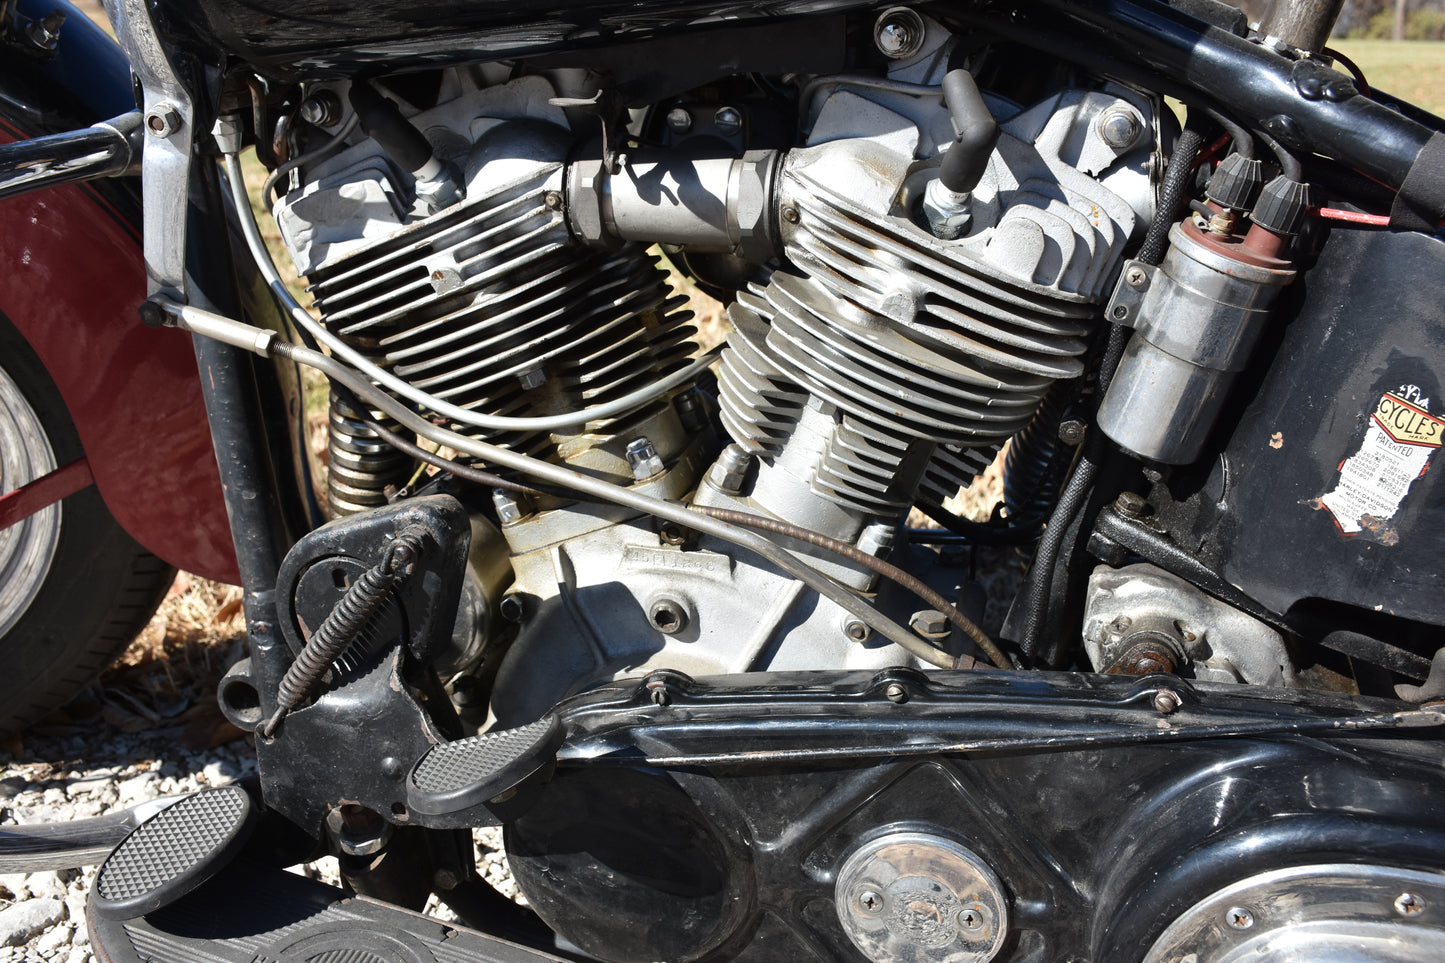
(927, 354)
(491, 306)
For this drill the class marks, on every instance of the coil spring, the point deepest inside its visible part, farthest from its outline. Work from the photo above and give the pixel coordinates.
(1033, 467)
(361, 601)
(363, 470)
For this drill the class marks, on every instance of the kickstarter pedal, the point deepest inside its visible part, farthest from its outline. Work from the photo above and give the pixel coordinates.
(454, 778)
(172, 853)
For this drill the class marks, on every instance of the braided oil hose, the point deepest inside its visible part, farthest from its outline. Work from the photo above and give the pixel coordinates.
(362, 600)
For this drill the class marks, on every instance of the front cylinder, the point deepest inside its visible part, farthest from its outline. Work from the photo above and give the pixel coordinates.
(1197, 318)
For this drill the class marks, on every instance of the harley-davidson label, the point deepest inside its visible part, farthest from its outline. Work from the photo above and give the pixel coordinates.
(1401, 438)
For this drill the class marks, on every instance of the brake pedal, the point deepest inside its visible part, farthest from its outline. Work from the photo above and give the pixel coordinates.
(453, 779)
(172, 853)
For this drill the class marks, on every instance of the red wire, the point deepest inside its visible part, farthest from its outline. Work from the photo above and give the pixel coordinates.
(1353, 217)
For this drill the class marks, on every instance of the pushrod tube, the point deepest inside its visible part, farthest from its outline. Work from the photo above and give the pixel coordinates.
(108, 149)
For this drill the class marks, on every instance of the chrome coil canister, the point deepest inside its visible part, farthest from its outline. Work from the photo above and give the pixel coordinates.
(1197, 318)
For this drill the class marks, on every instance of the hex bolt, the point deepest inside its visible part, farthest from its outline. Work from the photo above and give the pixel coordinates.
(856, 629)
(970, 919)
(730, 470)
(1131, 505)
(898, 33)
(163, 120)
(510, 508)
(1238, 918)
(679, 120)
(321, 109)
(1408, 904)
(1135, 277)
(643, 459)
(896, 693)
(728, 121)
(929, 622)
(1166, 701)
(870, 902)
(511, 608)
(1120, 128)
(1071, 432)
(690, 411)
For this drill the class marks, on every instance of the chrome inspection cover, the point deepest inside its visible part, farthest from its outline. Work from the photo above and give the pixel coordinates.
(913, 897)
(1336, 913)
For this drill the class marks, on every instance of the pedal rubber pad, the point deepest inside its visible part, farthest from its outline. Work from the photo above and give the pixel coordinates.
(454, 777)
(172, 853)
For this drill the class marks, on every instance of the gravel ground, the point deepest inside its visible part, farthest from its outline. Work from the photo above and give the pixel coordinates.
(148, 728)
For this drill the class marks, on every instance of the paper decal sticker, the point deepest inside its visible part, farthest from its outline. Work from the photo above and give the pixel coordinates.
(1398, 445)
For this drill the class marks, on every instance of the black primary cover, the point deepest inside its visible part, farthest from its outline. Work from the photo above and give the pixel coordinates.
(1331, 485)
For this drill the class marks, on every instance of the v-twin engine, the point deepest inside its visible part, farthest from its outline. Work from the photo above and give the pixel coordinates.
(888, 336)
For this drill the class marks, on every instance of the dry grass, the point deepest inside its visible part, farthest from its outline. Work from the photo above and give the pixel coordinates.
(167, 676)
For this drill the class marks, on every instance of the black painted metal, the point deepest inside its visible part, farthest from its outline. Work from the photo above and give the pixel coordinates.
(1302, 104)
(317, 37)
(711, 819)
(238, 432)
(1366, 321)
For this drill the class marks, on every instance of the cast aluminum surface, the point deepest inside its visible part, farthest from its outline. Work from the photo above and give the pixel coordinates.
(911, 342)
(1323, 913)
(28, 547)
(911, 897)
(591, 600)
(489, 305)
(166, 157)
(1221, 643)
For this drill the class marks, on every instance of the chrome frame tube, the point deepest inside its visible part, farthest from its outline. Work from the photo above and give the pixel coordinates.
(108, 149)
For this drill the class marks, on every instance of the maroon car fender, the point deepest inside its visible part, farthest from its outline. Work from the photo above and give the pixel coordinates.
(73, 277)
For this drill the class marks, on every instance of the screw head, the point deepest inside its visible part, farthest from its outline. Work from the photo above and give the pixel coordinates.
(1135, 277)
(679, 120)
(791, 215)
(553, 200)
(163, 120)
(893, 38)
(896, 693)
(1408, 904)
(856, 629)
(870, 902)
(1120, 128)
(668, 616)
(970, 919)
(1071, 431)
(728, 121)
(1238, 918)
(321, 109)
(1167, 700)
(899, 33)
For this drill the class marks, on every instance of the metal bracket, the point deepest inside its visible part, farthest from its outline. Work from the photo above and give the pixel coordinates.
(170, 133)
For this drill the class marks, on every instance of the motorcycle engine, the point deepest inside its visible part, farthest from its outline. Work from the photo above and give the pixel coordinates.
(887, 336)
